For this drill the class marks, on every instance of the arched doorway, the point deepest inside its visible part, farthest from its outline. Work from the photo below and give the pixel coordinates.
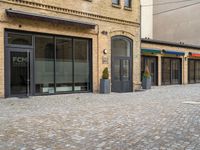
(121, 67)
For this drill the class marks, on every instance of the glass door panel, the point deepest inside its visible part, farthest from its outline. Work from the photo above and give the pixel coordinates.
(151, 62)
(175, 71)
(19, 73)
(125, 70)
(191, 71)
(166, 71)
(116, 70)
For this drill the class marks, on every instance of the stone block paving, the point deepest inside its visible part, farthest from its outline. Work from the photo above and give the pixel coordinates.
(158, 119)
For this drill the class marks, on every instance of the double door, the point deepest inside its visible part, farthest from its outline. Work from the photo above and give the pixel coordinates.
(193, 71)
(121, 74)
(171, 71)
(18, 72)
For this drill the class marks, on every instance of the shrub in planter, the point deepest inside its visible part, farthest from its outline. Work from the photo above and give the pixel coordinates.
(146, 79)
(105, 82)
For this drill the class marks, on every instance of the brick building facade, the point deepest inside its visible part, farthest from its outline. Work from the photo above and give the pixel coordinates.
(171, 63)
(62, 46)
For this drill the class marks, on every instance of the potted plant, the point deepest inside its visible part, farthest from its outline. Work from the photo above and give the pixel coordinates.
(146, 79)
(105, 82)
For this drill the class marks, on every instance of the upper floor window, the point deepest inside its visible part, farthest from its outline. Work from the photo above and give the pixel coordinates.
(127, 3)
(115, 2)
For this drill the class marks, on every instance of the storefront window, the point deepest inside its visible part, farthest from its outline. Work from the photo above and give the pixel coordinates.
(81, 65)
(64, 80)
(44, 64)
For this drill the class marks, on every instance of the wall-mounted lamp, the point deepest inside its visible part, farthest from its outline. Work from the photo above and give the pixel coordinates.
(105, 51)
(104, 32)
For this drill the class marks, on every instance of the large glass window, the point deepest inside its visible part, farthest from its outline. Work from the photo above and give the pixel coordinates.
(81, 65)
(19, 39)
(44, 64)
(58, 64)
(166, 71)
(127, 3)
(191, 68)
(64, 80)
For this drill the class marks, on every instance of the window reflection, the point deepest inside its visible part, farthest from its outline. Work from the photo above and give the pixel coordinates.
(64, 74)
(81, 65)
(44, 64)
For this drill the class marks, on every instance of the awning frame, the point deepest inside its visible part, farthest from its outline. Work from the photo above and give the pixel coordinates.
(173, 52)
(152, 51)
(34, 16)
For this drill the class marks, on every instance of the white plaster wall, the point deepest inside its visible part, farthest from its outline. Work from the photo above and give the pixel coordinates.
(147, 18)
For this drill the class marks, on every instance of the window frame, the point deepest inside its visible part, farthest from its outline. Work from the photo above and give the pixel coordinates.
(118, 3)
(130, 4)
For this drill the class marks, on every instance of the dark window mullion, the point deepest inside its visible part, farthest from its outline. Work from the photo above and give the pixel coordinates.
(73, 58)
(54, 64)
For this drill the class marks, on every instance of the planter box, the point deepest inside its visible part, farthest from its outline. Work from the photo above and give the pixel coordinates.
(146, 83)
(105, 86)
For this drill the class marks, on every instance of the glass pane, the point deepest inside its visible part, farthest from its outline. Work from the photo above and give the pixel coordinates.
(176, 71)
(127, 3)
(166, 71)
(191, 71)
(116, 70)
(19, 73)
(44, 64)
(81, 65)
(115, 2)
(125, 70)
(64, 74)
(142, 66)
(19, 39)
(121, 47)
(197, 72)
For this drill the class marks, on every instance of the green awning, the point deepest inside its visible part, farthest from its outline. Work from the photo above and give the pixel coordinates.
(152, 51)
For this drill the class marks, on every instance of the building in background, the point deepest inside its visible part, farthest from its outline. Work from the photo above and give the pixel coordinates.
(52, 47)
(177, 21)
(147, 18)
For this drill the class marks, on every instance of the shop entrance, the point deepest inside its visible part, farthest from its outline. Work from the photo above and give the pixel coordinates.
(152, 63)
(19, 72)
(171, 71)
(121, 64)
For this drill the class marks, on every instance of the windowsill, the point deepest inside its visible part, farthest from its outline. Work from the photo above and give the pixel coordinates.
(127, 8)
(116, 6)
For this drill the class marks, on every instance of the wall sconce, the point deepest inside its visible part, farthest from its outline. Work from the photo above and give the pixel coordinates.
(105, 51)
(104, 32)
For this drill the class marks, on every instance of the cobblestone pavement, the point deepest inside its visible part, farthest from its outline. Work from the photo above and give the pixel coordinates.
(161, 118)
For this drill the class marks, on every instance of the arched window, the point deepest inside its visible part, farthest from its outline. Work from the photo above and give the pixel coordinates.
(121, 46)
